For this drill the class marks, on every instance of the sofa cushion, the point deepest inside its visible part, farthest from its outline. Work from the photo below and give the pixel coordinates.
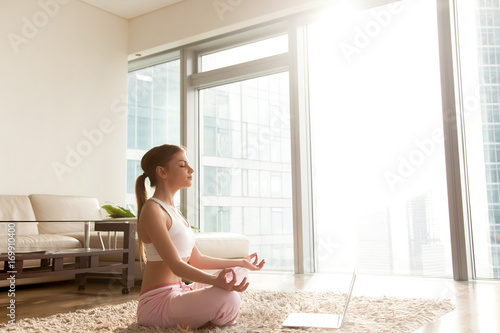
(29, 243)
(224, 245)
(17, 208)
(49, 207)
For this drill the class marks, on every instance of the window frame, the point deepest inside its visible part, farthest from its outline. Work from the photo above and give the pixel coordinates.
(294, 61)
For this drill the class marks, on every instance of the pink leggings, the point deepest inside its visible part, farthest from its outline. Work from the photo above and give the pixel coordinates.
(189, 306)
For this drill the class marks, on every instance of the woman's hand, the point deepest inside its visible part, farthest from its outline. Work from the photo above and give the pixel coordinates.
(227, 280)
(252, 265)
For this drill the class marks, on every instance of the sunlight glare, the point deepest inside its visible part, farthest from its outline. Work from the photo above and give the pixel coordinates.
(338, 16)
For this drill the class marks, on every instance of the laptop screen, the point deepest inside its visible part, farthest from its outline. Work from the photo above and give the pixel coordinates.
(349, 293)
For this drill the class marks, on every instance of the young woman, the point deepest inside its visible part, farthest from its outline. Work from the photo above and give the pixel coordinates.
(167, 244)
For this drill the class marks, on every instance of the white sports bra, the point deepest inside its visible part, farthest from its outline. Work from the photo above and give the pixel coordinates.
(182, 236)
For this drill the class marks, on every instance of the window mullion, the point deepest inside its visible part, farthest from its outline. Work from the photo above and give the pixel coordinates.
(230, 74)
(300, 149)
(190, 204)
(462, 270)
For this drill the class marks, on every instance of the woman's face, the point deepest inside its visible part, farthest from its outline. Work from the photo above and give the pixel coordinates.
(179, 172)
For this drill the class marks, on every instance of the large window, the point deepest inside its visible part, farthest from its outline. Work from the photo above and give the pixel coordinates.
(380, 201)
(153, 115)
(322, 138)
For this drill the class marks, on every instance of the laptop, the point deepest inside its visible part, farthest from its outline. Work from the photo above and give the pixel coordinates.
(320, 320)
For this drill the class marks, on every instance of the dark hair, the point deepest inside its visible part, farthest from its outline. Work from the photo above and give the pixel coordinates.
(157, 156)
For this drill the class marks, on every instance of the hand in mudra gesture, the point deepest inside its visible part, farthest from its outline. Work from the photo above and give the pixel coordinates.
(251, 262)
(227, 280)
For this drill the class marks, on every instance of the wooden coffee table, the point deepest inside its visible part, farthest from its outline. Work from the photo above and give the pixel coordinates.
(86, 260)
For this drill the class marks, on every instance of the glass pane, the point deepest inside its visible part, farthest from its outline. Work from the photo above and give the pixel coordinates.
(242, 190)
(244, 53)
(153, 115)
(379, 182)
(479, 31)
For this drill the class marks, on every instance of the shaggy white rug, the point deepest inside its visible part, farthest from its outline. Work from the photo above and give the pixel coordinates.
(261, 311)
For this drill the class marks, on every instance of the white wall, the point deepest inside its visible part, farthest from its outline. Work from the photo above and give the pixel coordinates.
(63, 85)
(192, 20)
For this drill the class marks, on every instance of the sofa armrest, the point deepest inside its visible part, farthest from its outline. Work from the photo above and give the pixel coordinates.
(17, 208)
(224, 245)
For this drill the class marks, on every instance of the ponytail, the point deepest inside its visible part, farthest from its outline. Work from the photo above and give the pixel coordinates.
(141, 195)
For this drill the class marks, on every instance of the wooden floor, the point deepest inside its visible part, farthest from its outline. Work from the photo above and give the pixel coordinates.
(477, 302)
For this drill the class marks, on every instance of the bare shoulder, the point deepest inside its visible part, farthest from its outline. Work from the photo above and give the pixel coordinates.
(153, 218)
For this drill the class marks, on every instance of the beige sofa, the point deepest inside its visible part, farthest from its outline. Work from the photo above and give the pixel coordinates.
(53, 236)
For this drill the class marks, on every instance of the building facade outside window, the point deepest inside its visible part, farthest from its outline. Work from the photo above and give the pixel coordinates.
(478, 23)
(153, 115)
(488, 25)
(246, 166)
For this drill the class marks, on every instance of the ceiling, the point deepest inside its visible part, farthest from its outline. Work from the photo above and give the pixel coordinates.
(130, 8)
